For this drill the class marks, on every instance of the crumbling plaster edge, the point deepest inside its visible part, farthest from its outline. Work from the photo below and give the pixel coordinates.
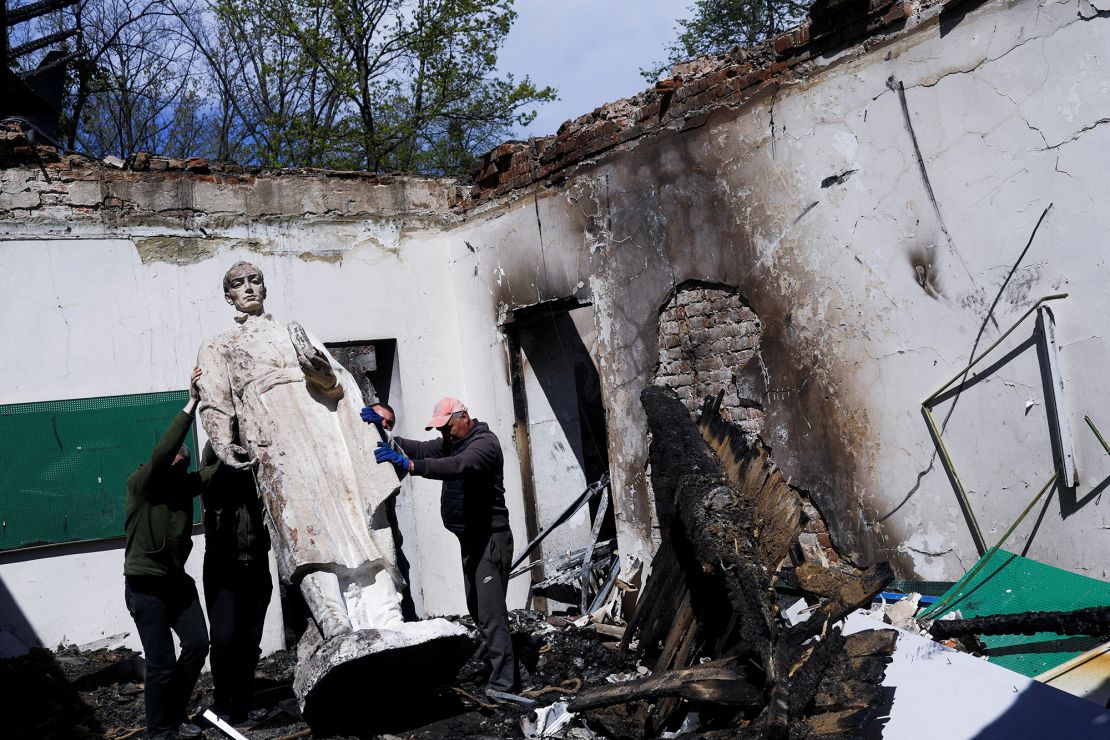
(811, 71)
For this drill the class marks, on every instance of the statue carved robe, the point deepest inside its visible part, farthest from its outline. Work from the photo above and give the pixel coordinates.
(316, 469)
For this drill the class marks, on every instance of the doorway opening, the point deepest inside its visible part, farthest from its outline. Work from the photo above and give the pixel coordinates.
(560, 434)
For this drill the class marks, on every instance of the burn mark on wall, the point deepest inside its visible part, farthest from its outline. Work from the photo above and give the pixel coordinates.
(820, 436)
(925, 272)
(837, 179)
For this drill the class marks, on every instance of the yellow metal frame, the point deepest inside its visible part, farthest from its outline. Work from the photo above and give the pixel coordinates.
(942, 448)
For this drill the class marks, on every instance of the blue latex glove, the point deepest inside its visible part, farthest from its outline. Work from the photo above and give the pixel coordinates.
(385, 453)
(370, 416)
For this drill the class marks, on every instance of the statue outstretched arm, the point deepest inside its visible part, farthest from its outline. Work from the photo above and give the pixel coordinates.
(315, 363)
(216, 409)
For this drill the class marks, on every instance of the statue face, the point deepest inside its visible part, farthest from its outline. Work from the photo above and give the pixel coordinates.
(246, 289)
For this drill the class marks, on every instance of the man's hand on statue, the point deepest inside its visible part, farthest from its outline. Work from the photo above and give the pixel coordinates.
(385, 453)
(237, 457)
(194, 391)
(370, 416)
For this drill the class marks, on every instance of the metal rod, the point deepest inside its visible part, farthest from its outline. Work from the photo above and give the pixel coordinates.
(1094, 429)
(591, 490)
(599, 519)
(603, 593)
(988, 350)
(961, 492)
(1056, 402)
(990, 553)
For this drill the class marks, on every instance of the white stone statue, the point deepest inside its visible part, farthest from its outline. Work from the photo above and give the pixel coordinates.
(273, 397)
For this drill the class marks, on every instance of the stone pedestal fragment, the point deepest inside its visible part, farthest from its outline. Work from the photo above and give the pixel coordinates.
(356, 681)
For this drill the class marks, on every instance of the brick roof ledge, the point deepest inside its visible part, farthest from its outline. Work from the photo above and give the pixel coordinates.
(692, 91)
(19, 148)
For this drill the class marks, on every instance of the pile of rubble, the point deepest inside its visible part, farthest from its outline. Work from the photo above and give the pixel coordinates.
(707, 651)
(740, 630)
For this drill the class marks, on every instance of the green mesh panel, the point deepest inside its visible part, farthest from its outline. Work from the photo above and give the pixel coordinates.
(1009, 584)
(64, 464)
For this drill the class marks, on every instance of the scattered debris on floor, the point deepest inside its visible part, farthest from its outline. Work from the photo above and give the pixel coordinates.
(749, 625)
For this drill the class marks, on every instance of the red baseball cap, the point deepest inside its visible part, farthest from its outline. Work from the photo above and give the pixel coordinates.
(441, 414)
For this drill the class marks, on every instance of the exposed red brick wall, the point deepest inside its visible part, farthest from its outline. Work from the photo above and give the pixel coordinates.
(707, 335)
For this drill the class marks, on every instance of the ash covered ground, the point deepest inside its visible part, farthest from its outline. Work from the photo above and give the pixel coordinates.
(99, 694)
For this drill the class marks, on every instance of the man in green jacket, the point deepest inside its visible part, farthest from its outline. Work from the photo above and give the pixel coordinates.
(160, 595)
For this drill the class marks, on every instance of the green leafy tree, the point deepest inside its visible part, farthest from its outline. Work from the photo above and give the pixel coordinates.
(716, 26)
(383, 85)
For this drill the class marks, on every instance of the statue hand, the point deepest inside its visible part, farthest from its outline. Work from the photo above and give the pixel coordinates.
(311, 359)
(235, 456)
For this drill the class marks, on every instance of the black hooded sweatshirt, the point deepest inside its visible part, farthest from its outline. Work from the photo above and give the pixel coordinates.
(472, 470)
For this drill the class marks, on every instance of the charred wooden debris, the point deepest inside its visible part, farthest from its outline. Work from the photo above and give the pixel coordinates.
(709, 623)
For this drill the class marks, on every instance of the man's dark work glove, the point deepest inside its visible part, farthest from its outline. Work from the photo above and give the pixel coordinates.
(385, 453)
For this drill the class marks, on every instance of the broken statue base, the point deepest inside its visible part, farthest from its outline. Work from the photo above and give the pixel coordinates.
(343, 683)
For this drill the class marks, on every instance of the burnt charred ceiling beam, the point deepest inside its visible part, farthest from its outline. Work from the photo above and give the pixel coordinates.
(34, 10)
(717, 557)
(50, 66)
(17, 51)
(717, 682)
(688, 479)
(1094, 620)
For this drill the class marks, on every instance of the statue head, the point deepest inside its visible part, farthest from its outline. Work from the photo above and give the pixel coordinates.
(245, 288)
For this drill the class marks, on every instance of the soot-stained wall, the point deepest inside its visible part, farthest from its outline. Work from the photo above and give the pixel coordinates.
(874, 208)
(874, 215)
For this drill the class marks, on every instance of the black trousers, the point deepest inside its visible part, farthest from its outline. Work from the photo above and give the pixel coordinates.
(161, 605)
(237, 595)
(486, 560)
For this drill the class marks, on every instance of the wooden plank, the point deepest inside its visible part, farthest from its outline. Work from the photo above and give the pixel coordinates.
(717, 682)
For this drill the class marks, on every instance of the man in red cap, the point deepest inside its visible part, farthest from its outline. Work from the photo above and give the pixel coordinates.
(467, 458)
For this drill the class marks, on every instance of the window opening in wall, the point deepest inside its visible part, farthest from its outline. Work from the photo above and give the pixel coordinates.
(371, 362)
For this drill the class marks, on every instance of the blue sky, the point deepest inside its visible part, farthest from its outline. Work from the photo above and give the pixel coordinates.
(590, 50)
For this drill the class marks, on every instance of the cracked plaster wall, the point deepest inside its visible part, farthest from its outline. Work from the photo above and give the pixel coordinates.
(871, 257)
(94, 309)
(870, 214)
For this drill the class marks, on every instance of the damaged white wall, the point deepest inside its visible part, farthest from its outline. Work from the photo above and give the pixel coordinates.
(809, 200)
(73, 595)
(95, 311)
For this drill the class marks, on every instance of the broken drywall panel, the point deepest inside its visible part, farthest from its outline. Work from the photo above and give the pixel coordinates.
(940, 690)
